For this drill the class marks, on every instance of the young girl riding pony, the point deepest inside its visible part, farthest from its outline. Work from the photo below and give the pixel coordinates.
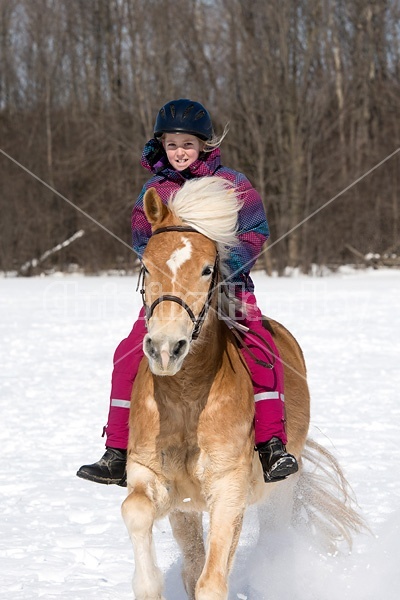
(184, 147)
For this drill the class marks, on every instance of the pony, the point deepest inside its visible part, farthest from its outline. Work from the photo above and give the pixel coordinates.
(191, 444)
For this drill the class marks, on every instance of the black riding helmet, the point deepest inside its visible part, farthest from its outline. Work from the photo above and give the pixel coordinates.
(184, 116)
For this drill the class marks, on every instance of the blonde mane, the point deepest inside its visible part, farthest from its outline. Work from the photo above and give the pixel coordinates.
(210, 205)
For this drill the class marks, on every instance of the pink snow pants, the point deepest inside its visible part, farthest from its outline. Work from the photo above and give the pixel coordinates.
(267, 383)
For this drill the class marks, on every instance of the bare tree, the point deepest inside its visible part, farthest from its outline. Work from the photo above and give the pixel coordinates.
(310, 89)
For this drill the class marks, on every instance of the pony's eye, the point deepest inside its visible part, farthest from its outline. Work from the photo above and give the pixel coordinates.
(207, 271)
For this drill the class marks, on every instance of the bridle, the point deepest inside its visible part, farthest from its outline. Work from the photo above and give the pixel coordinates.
(235, 328)
(197, 321)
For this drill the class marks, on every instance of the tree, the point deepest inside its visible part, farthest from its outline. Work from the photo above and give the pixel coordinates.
(310, 89)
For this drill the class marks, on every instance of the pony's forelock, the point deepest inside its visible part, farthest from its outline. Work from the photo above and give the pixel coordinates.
(210, 205)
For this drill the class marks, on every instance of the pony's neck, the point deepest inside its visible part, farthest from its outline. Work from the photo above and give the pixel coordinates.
(206, 354)
(204, 359)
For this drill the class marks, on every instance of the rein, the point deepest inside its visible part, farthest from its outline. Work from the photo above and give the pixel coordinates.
(239, 331)
(197, 322)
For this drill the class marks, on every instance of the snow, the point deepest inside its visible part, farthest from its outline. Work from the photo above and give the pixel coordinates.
(63, 538)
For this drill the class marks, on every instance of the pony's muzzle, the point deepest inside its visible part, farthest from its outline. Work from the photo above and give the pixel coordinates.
(165, 356)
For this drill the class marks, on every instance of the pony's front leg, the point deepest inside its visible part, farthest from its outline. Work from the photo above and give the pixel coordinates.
(226, 518)
(187, 528)
(139, 511)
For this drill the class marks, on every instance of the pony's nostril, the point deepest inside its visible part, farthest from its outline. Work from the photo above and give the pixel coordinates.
(179, 348)
(150, 349)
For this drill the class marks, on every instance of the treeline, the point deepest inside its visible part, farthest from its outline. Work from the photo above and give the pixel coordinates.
(310, 88)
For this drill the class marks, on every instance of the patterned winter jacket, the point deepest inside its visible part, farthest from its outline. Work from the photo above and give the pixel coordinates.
(252, 222)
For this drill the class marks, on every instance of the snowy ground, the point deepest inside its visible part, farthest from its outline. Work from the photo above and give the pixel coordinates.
(63, 538)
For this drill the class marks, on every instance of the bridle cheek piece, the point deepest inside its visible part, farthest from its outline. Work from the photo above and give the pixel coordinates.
(197, 321)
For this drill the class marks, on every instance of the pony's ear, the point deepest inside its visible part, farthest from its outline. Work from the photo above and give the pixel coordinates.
(154, 209)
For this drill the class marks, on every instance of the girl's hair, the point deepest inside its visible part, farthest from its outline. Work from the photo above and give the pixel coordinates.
(216, 140)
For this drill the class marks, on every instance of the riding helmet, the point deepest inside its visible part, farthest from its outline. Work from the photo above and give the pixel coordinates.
(184, 116)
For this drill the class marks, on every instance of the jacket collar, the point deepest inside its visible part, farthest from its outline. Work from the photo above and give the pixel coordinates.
(155, 160)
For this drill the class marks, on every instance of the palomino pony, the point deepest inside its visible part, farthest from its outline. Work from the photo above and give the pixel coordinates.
(191, 446)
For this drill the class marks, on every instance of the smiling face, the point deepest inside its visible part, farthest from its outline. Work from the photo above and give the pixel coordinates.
(182, 149)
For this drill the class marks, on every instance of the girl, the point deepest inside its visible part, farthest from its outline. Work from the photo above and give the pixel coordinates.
(184, 147)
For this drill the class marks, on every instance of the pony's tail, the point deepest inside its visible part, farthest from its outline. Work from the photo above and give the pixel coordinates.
(323, 499)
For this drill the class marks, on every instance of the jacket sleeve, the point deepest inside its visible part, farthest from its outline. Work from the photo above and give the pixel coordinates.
(253, 231)
(141, 229)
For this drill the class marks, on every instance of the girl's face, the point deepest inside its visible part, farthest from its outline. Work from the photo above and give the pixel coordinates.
(182, 149)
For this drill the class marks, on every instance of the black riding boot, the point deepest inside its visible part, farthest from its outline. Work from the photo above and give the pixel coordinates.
(277, 464)
(111, 468)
